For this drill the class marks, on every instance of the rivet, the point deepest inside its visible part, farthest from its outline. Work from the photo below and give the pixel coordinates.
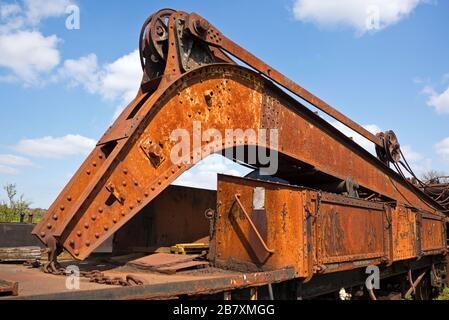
(77, 252)
(136, 183)
(160, 182)
(94, 164)
(125, 171)
(100, 210)
(88, 172)
(78, 233)
(123, 213)
(146, 194)
(42, 234)
(87, 243)
(131, 207)
(139, 200)
(69, 198)
(94, 217)
(55, 217)
(106, 228)
(97, 235)
(124, 183)
(86, 225)
(62, 208)
(49, 226)
(153, 188)
(100, 156)
(114, 220)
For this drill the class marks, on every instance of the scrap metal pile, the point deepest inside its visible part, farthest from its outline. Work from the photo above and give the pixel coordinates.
(338, 206)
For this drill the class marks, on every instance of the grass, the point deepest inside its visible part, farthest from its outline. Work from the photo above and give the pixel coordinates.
(444, 295)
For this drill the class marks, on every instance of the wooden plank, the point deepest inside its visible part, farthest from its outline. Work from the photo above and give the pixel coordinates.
(20, 254)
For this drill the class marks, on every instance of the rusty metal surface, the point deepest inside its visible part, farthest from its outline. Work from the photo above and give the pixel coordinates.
(8, 288)
(315, 232)
(35, 285)
(175, 216)
(131, 164)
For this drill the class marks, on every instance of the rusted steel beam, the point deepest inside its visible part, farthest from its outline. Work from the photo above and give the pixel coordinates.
(205, 31)
(131, 165)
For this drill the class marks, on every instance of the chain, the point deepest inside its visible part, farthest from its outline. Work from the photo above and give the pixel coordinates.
(95, 276)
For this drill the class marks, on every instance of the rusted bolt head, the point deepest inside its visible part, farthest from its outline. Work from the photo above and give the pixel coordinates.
(201, 25)
(78, 233)
(86, 225)
(146, 194)
(100, 210)
(62, 208)
(42, 234)
(77, 252)
(94, 217)
(159, 31)
(97, 235)
(55, 217)
(88, 172)
(125, 171)
(124, 183)
(49, 226)
(69, 198)
(87, 243)
(106, 228)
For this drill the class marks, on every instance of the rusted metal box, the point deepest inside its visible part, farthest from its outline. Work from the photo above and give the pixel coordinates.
(262, 226)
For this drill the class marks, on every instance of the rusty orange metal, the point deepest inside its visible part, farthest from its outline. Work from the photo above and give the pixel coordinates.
(189, 80)
(314, 232)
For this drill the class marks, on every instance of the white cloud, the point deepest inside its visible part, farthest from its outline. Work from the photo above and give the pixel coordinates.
(25, 52)
(361, 15)
(9, 163)
(28, 53)
(37, 10)
(439, 101)
(442, 149)
(204, 174)
(117, 81)
(50, 147)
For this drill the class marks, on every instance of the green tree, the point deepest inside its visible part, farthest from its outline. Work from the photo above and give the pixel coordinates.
(10, 212)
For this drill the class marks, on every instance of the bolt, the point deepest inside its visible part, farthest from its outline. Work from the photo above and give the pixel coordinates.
(86, 225)
(97, 235)
(62, 208)
(201, 25)
(88, 172)
(49, 226)
(100, 210)
(87, 243)
(114, 220)
(106, 228)
(94, 217)
(69, 198)
(125, 171)
(55, 217)
(78, 233)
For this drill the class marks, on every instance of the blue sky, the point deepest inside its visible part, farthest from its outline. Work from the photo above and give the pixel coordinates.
(60, 88)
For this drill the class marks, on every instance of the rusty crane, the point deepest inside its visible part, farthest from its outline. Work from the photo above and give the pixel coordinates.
(337, 207)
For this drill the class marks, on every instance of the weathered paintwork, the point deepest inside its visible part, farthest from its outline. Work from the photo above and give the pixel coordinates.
(315, 232)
